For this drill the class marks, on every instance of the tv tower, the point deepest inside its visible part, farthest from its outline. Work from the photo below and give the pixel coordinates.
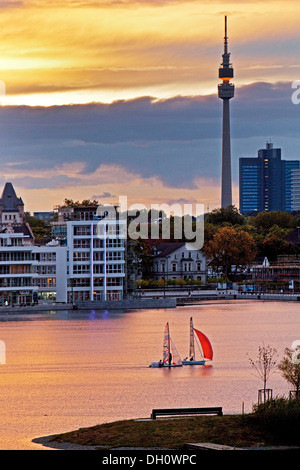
(226, 91)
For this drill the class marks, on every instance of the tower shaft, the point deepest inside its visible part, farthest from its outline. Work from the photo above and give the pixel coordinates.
(226, 92)
(226, 195)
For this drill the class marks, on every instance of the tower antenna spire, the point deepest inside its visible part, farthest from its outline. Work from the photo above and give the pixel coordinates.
(226, 38)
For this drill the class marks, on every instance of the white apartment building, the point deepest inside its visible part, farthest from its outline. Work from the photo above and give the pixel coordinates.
(28, 273)
(87, 265)
(96, 251)
(16, 280)
(49, 269)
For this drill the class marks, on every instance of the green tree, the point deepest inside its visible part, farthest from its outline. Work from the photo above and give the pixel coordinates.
(142, 256)
(39, 228)
(86, 202)
(270, 236)
(227, 215)
(264, 221)
(273, 246)
(209, 232)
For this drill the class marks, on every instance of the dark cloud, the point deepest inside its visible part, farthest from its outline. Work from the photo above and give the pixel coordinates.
(42, 182)
(177, 140)
(104, 195)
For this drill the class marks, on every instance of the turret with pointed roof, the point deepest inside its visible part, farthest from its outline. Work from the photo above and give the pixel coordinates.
(11, 206)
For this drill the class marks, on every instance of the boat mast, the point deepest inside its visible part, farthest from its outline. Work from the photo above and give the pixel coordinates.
(192, 340)
(169, 346)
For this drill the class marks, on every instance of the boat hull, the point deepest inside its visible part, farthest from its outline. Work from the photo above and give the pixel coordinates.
(161, 365)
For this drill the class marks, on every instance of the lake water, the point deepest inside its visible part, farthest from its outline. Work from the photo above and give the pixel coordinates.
(67, 370)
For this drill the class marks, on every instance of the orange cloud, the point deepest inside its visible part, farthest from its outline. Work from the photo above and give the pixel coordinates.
(50, 49)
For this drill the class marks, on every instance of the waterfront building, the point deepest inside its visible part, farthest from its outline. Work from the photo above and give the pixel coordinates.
(96, 243)
(16, 274)
(171, 261)
(86, 264)
(50, 270)
(285, 272)
(30, 273)
(64, 214)
(16, 245)
(89, 267)
(266, 182)
(96, 251)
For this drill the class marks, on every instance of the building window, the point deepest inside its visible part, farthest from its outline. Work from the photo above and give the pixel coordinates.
(81, 256)
(82, 230)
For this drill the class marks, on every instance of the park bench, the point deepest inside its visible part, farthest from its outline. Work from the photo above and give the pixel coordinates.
(186, 411)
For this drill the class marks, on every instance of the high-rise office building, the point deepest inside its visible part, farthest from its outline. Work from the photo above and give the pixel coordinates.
(250, 185)
(226, 92)
(266, 181)
(295, 189)
(289, 181)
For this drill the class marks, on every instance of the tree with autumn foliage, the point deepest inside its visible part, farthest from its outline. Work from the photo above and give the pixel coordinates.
(230, 247)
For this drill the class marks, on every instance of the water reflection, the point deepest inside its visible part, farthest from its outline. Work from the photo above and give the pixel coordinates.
(61, 315)
(71, 369)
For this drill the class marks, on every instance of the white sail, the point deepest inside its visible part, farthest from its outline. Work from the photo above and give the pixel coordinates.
(203, 345)
(192, 341)
(176, 359)
(166, 345)
(171, 357)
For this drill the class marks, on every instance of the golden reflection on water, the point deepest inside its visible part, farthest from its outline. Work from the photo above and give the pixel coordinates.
(79, 369)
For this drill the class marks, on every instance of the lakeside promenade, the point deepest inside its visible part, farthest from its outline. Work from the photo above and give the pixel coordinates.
(154, 300)
(194, 295)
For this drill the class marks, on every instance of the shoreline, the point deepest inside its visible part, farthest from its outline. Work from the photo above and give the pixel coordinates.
(139, 304)
(45, 441)
(144, 303)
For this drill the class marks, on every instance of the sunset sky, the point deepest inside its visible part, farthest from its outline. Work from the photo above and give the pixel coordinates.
(119, 97)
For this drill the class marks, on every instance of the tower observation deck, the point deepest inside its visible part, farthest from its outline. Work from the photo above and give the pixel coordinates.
(226, 92)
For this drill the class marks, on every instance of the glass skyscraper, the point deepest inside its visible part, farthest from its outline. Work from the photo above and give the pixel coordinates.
(295, 180)
(266, 181)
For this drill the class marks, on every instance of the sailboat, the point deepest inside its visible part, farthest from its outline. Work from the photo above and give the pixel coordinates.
(171, 357)
(204, 345)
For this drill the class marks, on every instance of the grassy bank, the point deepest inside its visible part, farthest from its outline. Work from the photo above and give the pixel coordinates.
(232, 430)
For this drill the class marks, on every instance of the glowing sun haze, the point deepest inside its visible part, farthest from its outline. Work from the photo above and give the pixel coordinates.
(64, 53)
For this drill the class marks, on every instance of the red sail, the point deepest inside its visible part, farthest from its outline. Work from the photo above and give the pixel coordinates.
(205, 344)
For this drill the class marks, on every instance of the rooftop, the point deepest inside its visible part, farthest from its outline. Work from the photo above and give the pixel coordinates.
(9, 200)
